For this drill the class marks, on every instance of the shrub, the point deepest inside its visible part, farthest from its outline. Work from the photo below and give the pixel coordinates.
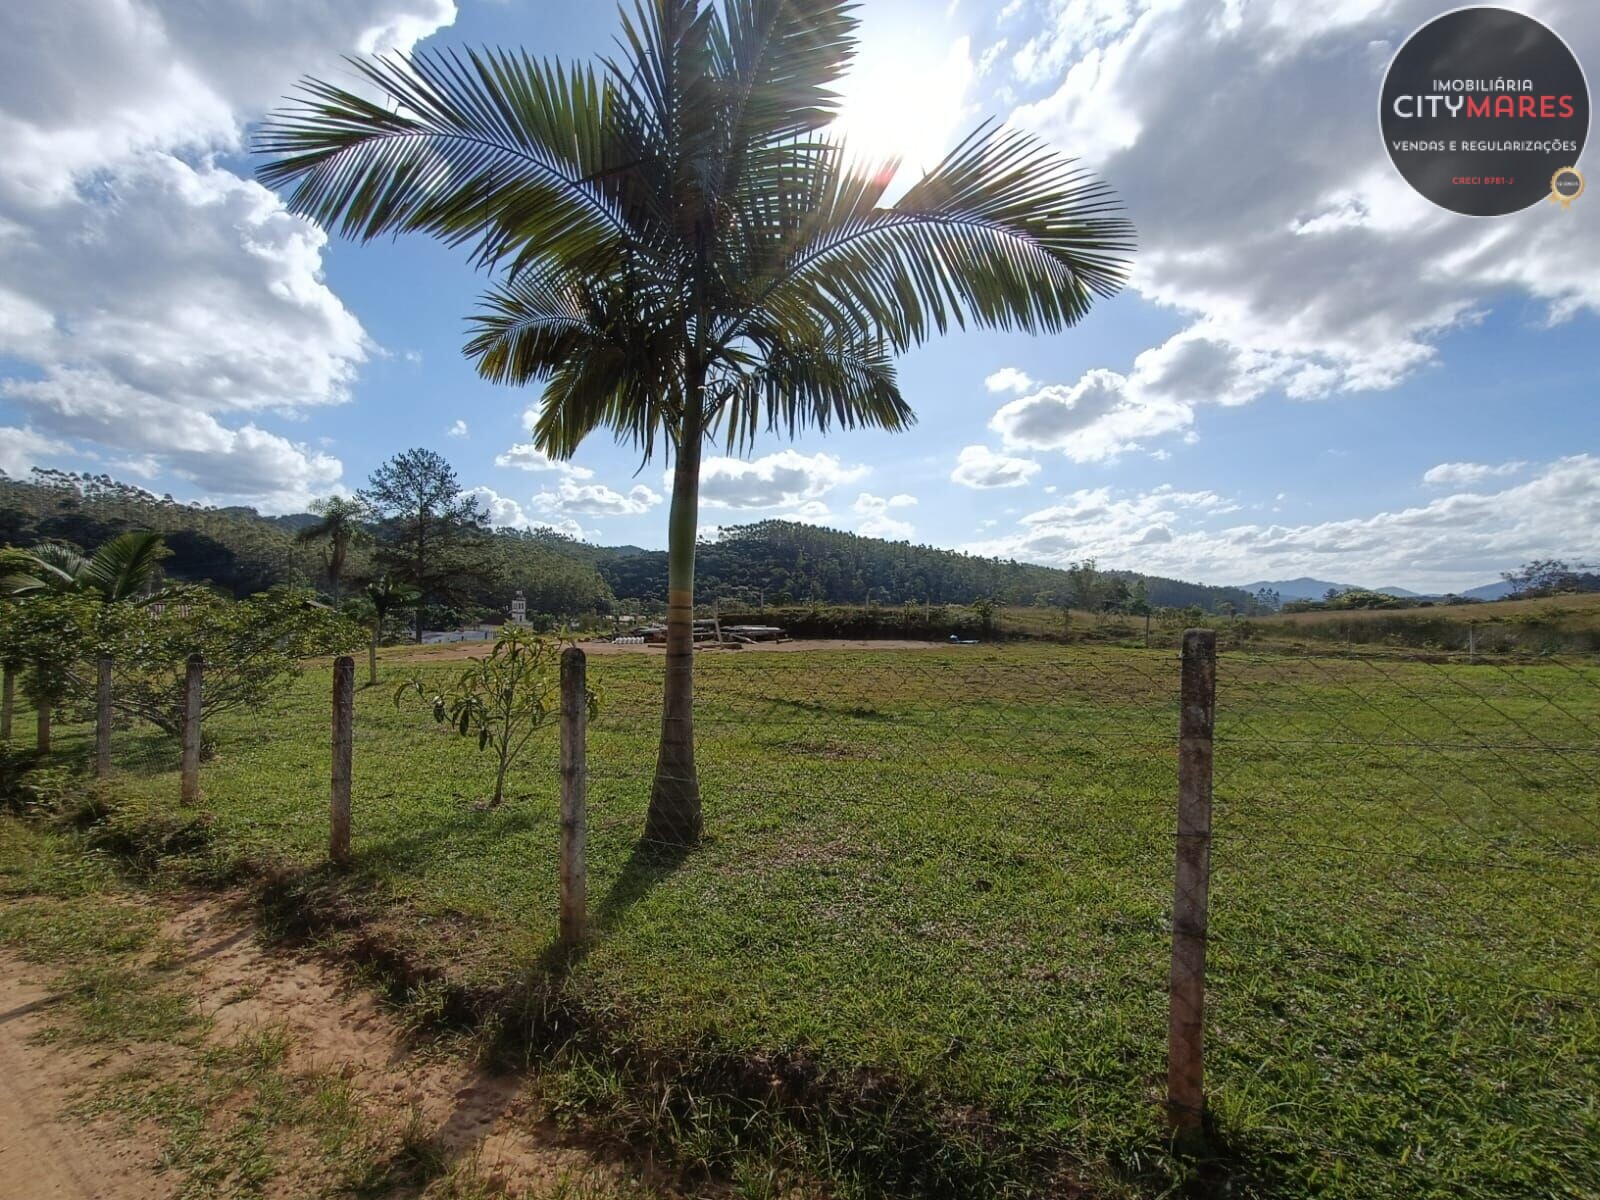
(502, 700)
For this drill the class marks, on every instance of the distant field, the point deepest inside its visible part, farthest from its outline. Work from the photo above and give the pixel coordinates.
(1571, 607)
(924, 950)
(1559, 624)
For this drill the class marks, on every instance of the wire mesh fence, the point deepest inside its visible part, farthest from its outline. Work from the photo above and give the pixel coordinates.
(957, 864)
(1404, 960)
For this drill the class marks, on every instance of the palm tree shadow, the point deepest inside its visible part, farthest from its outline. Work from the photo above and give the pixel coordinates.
(650, 864)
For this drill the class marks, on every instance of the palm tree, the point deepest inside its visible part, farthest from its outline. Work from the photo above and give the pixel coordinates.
(386, 595)
(340, 525)
(121, 569)
(684, 254)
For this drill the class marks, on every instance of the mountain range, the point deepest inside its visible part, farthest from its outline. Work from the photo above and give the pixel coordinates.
(1306, 588)
(778, 561)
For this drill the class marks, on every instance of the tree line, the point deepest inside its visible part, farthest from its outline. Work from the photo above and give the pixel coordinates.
(787, 562)
(410, 524)
(413, 524)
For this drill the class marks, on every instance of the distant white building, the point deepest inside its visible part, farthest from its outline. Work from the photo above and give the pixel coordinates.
(519, 609)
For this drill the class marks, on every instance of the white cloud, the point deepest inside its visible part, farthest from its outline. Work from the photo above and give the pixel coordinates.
(1099, 417)
(242, 465)
(784, 480)
(1008, 379)
(565, 525)
(22, 449)
(887, 527)
(595, 500)
(525, 456)
(990, 55)
(1453, 541)
(1334, 277)
(812, 512)
(1465, 474)
(137, 267)
(185, 282)
(981, 467)
(877, 521)
(459, 429)
(866, 504)
(504, 512)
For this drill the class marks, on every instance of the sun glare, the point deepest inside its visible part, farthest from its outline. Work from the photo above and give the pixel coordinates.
(905, 100)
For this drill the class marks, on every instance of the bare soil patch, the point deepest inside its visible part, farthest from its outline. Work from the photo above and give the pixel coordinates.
(460, 1110)
(45, 1154)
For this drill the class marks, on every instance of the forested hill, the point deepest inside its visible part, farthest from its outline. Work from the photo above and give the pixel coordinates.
(240, 551)
(780, 561)
(785, 561)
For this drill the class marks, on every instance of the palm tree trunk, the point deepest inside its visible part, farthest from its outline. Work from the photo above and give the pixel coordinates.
(8, 700)
(674, 818)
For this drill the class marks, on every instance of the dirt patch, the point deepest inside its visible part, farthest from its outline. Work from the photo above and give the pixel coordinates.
(44, 1154)
(459, 1110)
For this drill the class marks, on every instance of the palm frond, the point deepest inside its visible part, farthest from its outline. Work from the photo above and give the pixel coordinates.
(386, 593)
(315, 532)
(608, 351)
(496, 149)
(122, 567)
(678, 221)
(48, 567)
(777, 61)
(22, 585)
(794, 384)
(56, 562)
(1004, 233)
(338, 519)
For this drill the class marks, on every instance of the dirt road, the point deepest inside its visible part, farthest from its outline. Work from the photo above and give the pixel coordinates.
(45, 1154)
(334, 1033)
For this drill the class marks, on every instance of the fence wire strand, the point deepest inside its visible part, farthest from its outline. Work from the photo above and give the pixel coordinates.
(982, 840)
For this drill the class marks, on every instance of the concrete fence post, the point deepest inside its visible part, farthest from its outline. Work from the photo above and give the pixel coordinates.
(1186, 988)
(574, 794)
(102, 718)
(344, 694)
(193, 675)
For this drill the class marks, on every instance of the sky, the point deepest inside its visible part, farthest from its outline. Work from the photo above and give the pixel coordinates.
(1312, 370)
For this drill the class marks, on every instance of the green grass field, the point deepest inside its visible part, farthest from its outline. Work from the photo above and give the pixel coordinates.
(924, 949)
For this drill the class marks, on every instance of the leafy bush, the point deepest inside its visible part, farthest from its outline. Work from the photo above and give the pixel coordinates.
(249, 647)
